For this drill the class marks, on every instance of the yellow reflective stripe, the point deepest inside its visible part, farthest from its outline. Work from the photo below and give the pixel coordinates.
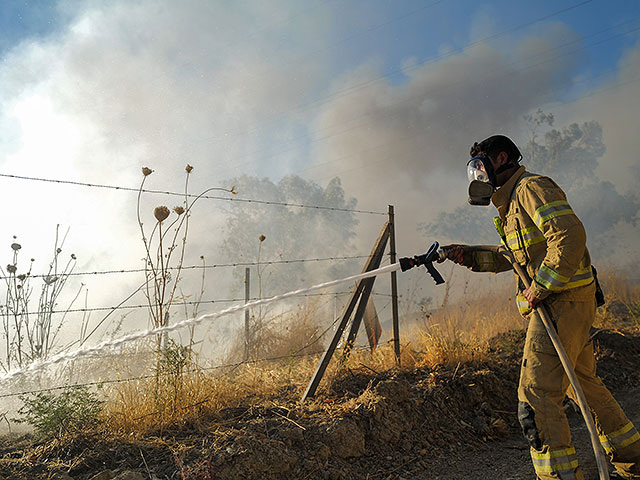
(484, 261)
(551, 210)
(552, 280)
(530, 236)
(523, 305)
(562, 452)
(562, 462)
(621, 431)
(562, 469)
(634, 438)
(620, 438)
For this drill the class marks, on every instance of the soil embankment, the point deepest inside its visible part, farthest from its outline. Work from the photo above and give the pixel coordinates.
(447, 422)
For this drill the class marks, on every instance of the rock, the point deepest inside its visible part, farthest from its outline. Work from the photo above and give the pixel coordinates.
(293, 436)
(346, 439)
(323, 453)
(130, 475)
(104, 475)
(394, 390)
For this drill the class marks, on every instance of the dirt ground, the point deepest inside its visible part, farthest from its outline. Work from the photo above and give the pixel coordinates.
(447, 422)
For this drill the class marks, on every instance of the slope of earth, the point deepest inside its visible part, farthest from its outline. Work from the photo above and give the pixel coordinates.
(454, 422)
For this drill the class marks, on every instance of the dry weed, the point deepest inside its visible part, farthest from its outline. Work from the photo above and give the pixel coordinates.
(456, 334)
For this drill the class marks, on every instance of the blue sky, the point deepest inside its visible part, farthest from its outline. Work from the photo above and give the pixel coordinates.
(390, 31)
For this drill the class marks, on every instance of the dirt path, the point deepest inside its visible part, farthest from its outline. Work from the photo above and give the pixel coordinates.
(509, 459)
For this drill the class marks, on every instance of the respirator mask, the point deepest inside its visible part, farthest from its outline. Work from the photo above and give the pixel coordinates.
(482, 180)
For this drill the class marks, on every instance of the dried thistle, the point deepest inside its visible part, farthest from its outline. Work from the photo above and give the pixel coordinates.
(16, 246)
(188, 168)
(11, 268)
(262, 238)
(146, 171)
(161, 213)
(179, 210)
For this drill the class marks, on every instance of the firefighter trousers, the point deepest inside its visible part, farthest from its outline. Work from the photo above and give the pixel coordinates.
(542, 389)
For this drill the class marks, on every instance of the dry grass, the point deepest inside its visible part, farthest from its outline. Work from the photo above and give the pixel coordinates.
(189, 395)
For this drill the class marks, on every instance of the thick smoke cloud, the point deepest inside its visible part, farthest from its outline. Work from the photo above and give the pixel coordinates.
(412, 144)
(413, 147)
(220, 85)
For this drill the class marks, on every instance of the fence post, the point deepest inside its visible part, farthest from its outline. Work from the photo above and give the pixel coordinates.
(394, 286)
(247, 290)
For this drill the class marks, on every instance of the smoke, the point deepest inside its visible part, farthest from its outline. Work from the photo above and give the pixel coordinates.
(412, 141)
(231, 88)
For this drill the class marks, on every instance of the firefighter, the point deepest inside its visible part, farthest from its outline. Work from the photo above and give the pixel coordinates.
(537, 224)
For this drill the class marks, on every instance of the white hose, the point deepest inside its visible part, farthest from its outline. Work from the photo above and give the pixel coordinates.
(107, 344)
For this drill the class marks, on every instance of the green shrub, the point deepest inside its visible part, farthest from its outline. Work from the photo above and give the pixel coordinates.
(51, 415)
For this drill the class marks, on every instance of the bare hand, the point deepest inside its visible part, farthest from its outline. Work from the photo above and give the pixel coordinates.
(455, 253)
(531, 298)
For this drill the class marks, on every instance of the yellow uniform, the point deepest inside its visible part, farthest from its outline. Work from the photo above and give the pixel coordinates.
(537, 224)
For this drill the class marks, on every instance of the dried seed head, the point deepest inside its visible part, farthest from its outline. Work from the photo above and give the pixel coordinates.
(22, 277)
(179, 210)
(161, 213)
(146, 171)
(262, 238)
(73, 256)
(16, 246)
(11, 268)
(188, 168)
(58, 250)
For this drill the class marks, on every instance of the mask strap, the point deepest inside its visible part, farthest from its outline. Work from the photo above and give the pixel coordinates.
(504, 167)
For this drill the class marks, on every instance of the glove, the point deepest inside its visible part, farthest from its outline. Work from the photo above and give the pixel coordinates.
(456, 254)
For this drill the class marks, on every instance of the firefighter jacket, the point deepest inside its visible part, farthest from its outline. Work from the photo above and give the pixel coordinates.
(545, 236)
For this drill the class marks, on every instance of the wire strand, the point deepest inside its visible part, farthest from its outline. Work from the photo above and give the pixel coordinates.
(190, 195)
(173, 304)
(200, 267)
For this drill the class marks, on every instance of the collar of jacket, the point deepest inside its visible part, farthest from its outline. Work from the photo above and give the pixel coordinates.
(502, 197)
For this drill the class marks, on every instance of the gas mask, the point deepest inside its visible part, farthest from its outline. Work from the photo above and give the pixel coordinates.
(483, 179)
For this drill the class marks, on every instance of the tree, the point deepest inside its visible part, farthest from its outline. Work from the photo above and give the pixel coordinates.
(290, 232)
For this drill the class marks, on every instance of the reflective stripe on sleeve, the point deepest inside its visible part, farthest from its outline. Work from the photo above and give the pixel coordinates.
(562, 462)
(551, 210)
(620, 438)
(552, 280)
(484, 261)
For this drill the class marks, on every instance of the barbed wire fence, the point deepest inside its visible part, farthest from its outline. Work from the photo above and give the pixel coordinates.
(122, 306)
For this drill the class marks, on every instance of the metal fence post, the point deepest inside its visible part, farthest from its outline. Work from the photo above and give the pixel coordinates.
(247, 290)
(394, 286)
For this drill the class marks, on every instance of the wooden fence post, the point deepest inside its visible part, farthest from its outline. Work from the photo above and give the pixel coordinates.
(372, 263)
